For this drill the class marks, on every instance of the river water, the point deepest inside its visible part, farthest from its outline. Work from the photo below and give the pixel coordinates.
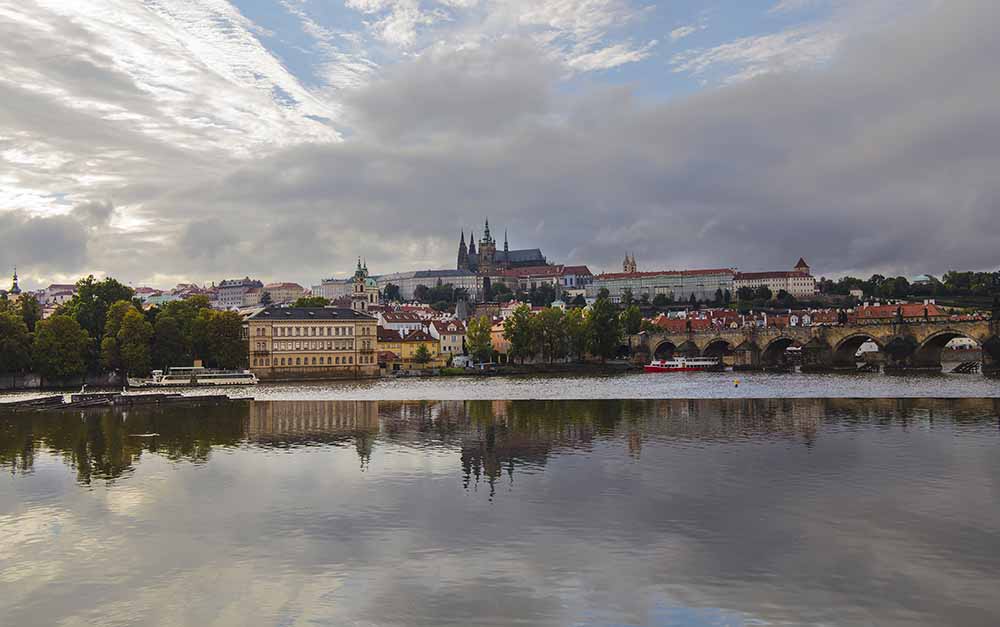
(775, 511)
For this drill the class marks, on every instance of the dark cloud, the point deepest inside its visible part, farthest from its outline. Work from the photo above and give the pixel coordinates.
(884, 159)
(54, 244)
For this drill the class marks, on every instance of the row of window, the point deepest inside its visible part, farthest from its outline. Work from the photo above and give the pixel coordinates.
(347, 360)
(311, 331)
(330, 345)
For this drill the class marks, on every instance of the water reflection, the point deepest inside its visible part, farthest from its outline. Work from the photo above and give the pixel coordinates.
(653, 513)
(490, 439)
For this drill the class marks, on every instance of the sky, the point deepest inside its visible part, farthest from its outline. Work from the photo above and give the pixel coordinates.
(161, 141)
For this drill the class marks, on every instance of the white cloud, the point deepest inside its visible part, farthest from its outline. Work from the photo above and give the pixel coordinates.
(683, 31)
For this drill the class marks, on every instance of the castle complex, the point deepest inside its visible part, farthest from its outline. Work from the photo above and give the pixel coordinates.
(488, 260)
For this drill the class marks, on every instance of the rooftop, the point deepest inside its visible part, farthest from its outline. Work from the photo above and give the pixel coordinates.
(309, 313)
(655, 273)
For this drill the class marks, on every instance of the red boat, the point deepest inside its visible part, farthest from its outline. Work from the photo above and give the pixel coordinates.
(684, 364)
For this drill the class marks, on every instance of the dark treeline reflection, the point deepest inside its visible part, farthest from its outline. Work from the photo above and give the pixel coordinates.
(490, 438)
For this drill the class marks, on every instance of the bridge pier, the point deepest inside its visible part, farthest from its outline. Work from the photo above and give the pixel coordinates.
(991, 356)
(746, 357)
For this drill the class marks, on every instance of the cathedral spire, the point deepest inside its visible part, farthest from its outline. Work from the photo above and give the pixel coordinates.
(506, 246)
(463, 254)
(486, 233)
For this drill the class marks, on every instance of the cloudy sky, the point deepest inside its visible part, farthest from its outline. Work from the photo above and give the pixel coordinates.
(168, 140)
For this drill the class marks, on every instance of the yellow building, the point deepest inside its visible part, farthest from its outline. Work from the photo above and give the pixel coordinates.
(399, 352)
(288, 343)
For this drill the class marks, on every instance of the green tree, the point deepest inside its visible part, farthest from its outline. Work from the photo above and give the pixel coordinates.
(15, 344)
(661, 300)
(31, 310)
(631, 320)
(110, 346)
(519, 330)
(422, 355)
(217, 339)
(170, 347)
(579, 301)
(551, 334)
(763, 293)
(719, 298)
(59, 348)
(89, 306)
(501, 293)
(627, 297)
(134, 339)
(577, 331)
(605, 330)
(311, 301)
(391, 293)
(479, 339)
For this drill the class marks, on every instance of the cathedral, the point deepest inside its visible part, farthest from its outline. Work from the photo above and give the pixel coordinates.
(488, 260)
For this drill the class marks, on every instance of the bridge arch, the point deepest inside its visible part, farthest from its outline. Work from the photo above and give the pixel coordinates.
(718, 347)
(774, 354)
(928, 353)
(846, 350)
(665, 349)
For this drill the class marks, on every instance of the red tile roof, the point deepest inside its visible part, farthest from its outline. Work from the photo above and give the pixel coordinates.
(909, 310)
(781, 274)
(442, 326)
(388, 335)
(418, 336)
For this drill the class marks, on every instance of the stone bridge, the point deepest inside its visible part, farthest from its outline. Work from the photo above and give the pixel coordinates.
(906, 345)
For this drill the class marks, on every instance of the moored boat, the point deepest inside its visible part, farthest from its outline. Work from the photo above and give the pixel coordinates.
(193, 377)
(684, 364)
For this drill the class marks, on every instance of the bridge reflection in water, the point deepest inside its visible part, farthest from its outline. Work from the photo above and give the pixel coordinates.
(490, 440)
(906, 345)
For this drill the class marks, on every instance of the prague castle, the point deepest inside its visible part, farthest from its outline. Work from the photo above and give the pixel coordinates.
(488, 260)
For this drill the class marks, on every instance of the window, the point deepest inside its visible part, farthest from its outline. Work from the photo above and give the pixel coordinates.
(338, 360)
(282, 361)
(350, 359)
(267, 362)
(314, 361)
(298, 361)
(328, 331)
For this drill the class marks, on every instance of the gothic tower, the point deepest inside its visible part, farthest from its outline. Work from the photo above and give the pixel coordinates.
(473, 259)
(506, 251)
(629, 265)
(487, 251)
(463, 254)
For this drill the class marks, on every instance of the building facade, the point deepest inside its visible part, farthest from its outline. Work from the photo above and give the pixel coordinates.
(678, 285)
(450, 334)
(283, 292)
(408, 282)
(229, 293)
(312, 343)
(798, 282)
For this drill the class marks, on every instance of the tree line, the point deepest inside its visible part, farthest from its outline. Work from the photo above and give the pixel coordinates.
(554, 335)
(104, 328)
(973, 286)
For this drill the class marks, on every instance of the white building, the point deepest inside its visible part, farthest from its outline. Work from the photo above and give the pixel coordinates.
(798, 282)
(408, 282)
(401, 321)
(230, 292)
(678, 285)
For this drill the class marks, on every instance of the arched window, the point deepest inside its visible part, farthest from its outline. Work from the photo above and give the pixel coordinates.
(298, 361)
(314, 361)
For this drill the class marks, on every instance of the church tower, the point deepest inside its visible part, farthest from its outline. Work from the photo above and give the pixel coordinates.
(629, 266)
(487, 251)
(359, 301)
(463, 254)
(473, 258)
(506, 251)
(15, 289)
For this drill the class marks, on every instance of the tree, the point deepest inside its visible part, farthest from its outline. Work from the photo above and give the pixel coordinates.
(519, 331)
(479, 339)
(631, 320)
(746, 293)
(763, 293)
(579, 301)
(551, 334)
(31, 310)
(627, 296)
(217, 339)
(785, 299)
(60, 345)
(420, 293)
(265, 298)
(134, 338)
(661, 300)
(15, 344)
(89, 306)
(110, 348)
(575, 322)
(719, 298)
(542, 295)
(170, 347)
(603, 293)
(693, 301)
(422, 355)
(605, 331)
(391, 293)
(311, 301)
(501, 292)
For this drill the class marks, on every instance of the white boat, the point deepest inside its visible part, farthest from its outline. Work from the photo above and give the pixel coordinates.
(189, 377)
(684, 364)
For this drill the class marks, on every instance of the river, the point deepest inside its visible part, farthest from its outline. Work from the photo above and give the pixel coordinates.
(766, 511)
